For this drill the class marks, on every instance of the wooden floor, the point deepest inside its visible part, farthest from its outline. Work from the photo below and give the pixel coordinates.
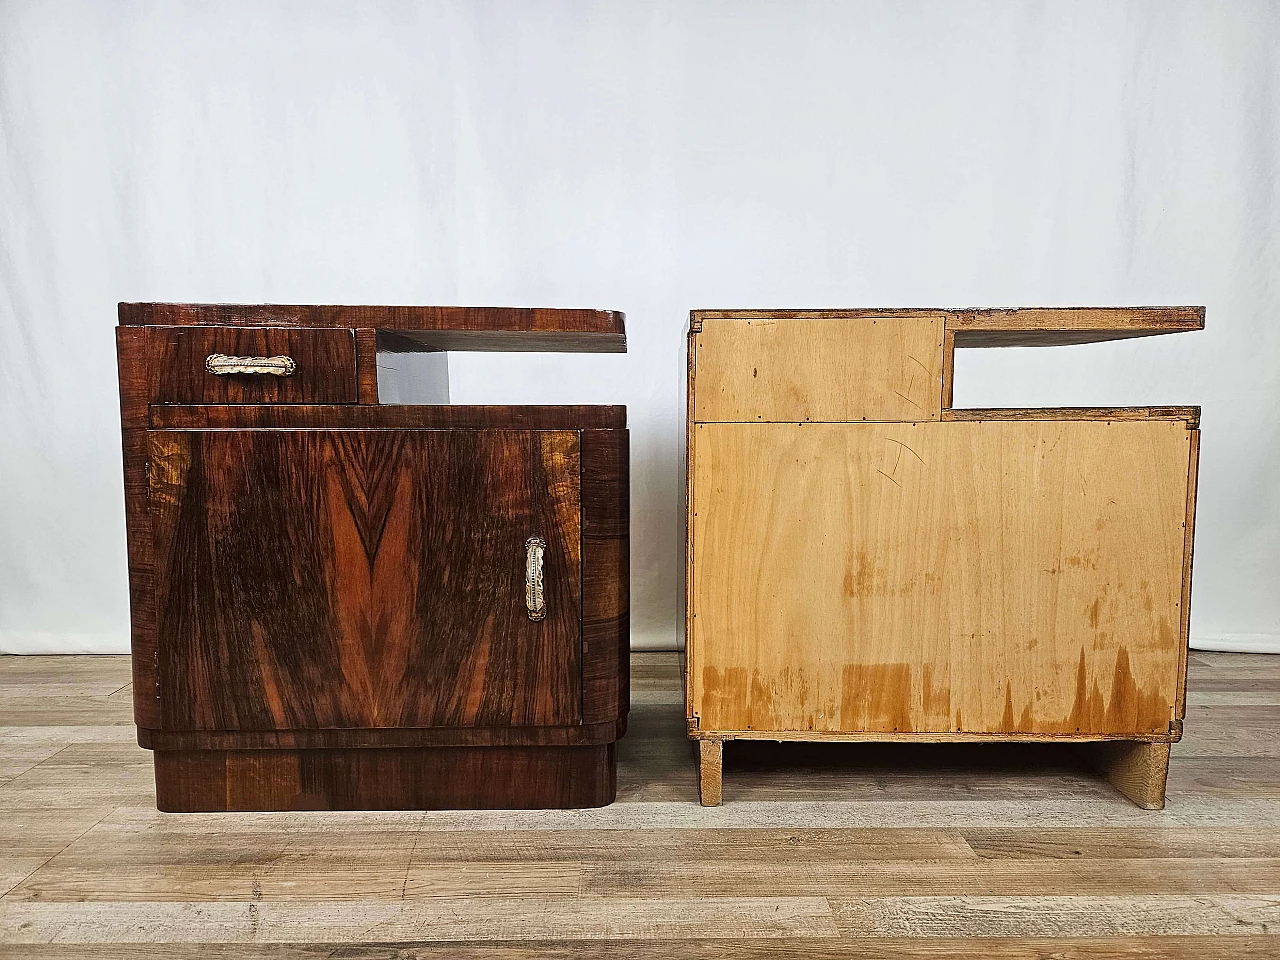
(817, 852)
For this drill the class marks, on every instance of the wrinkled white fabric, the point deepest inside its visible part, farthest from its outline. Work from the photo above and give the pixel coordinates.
(650, 157)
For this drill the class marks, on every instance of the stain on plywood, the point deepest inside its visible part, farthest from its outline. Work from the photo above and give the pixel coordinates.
(876, 696)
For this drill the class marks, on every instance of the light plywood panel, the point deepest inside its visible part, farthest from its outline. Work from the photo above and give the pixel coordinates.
(987, 577)
(835, 368)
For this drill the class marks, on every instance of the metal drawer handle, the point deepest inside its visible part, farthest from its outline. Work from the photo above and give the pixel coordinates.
(221, 365)
(534, 547)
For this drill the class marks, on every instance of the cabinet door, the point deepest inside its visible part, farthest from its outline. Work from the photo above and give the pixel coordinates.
(311, 579)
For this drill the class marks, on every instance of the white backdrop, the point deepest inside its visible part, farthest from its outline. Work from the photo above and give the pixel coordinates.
(648, 157)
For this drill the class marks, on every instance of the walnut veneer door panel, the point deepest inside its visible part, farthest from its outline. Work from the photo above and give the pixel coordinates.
(986, 577)
(365, 578)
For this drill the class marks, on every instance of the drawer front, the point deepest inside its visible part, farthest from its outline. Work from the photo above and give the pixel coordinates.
(319, 579)
(321, 367)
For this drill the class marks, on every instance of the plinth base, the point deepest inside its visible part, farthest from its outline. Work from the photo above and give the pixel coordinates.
(417, 778)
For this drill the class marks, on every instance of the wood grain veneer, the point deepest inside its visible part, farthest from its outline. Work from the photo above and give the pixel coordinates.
(309, 580)
(436, 328)
(569, 735)
(324, 588)
(136, 390)
(389, 778)
(326, 365)
(388, 417)
(606, 574)
(366, 340)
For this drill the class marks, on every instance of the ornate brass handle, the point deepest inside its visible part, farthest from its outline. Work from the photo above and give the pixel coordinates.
(221, 365)
(534, 548)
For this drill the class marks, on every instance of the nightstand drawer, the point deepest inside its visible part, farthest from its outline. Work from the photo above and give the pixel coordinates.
(253, 365)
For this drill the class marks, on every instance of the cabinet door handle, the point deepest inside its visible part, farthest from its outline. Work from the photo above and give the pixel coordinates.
(221, 365)
(534, 600)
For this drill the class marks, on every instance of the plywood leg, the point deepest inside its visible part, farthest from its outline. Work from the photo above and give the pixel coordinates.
(710, 770)
(1138, 770)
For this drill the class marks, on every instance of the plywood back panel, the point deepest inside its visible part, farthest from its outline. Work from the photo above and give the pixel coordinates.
(834, 368)
(988, 577)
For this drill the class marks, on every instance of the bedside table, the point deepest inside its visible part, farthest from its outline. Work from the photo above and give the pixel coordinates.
(341, 604)
(866, 563)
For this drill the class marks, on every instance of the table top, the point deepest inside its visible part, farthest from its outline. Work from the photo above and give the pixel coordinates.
(1007, 327)
(413, 327)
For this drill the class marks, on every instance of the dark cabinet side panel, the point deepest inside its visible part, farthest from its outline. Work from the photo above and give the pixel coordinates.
(605, 565)
(334, 579)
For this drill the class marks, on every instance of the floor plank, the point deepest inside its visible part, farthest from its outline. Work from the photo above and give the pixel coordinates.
(1212, 776)
(184, 840)
(44, 833)
(296, 879)
(865, 948)
(1152, 843)
(109, 670)
(818, 851)
(16, 759)
(13, 870)
(472, 918)
(1011, 879)
(1075, 916)
(67, 733)
(33, 711)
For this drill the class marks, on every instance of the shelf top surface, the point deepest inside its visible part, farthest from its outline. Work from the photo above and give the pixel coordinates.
(1003, 326)
(418, 327)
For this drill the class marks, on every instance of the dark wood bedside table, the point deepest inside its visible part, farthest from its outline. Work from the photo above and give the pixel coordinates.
(341, 604)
